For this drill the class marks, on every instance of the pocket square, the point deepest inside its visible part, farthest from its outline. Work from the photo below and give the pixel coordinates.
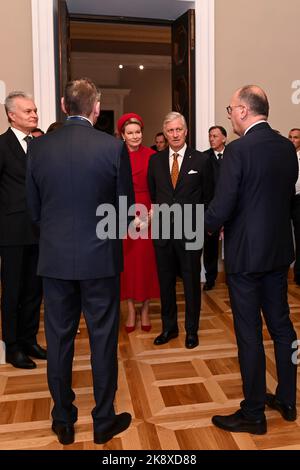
(192, 172)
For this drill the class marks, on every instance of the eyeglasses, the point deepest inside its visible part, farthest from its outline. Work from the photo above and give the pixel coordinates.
(230, 108)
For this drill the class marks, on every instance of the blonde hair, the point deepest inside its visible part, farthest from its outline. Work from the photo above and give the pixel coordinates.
(131, 121)
(172, 116)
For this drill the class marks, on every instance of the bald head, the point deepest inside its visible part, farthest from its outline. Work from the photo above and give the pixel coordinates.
(248, 105)
(256, 99)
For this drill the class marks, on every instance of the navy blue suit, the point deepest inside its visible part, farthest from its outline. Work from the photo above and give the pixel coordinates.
(253, 202)
(70, 173)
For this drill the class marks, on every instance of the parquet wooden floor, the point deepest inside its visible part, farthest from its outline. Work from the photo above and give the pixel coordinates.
(171, 392)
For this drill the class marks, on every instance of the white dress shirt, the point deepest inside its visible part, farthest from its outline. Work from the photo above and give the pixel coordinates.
(217, 153)
(298, 180)
(21, 136)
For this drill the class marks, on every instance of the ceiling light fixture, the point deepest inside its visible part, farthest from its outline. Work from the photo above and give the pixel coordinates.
(121, 66)
(141, 67)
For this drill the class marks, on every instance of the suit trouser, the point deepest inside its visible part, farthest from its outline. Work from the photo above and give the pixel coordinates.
(210, 256)
(296, 224)
(251, 293)
(21, 295)
(99, 300)
(172, 258)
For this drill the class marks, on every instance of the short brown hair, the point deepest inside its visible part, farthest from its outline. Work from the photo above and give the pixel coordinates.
(80, 96)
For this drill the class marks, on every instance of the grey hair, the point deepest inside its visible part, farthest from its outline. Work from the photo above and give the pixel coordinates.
(172, 116)
(9, 100)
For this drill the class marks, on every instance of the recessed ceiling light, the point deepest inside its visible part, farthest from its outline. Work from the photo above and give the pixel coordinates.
(121, 66)
(141, 67)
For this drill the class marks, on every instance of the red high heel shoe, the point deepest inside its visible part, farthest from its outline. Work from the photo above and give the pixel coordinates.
(129, 329)
(146, 327)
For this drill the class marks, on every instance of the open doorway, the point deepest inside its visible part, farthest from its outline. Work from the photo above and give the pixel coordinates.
(131, 64)
(98, 45)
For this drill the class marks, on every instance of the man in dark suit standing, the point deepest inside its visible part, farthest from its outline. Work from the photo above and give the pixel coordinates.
(179, 175)
(21, 287)
(294, 136)
(217, 138)
(253, 201)
(72, 173)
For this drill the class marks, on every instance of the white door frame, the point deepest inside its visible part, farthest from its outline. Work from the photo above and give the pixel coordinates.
(44, 60)
(44, 65)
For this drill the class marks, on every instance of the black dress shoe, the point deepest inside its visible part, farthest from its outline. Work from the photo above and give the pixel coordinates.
(65, 432)
(191, 341)
(35, 351)
(165, 337)
(20, 360)
(208, 286)
(238, 423)
(288, 412)
(120, 423)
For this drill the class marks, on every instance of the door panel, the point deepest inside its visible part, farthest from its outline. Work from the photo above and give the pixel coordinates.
(64, 51)
(183, 70)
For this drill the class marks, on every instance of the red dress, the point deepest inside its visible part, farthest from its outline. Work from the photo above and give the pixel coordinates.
(139, 279)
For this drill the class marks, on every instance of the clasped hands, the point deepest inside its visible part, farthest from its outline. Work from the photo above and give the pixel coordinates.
(144, 222)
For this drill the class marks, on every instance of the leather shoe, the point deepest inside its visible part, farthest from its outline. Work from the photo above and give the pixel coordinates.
(65, 432)
(288, 412)
(208, 286)
(20, 360)
(191, 341)
(238, 423)
(120, 423)
(36, 351)
(165, 337)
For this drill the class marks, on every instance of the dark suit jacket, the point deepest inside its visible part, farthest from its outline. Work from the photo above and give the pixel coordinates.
(253, 201)
(70, 173)
(16, 227)
(216, 164)
(192, 188)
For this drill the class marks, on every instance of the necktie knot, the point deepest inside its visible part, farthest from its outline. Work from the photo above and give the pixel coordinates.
(28, 139)
(220, 156)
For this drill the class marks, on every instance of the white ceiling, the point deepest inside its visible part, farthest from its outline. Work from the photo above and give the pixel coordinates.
(156, 9)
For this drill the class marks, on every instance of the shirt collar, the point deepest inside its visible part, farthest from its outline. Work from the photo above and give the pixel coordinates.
(81, 118)
(19, 134)
(252, 125)
(220, 151)
(180, 152)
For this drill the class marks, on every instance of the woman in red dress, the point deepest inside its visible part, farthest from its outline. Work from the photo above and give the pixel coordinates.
(139, 281)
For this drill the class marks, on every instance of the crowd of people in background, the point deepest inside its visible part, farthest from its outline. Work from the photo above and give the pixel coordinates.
(250, 189)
